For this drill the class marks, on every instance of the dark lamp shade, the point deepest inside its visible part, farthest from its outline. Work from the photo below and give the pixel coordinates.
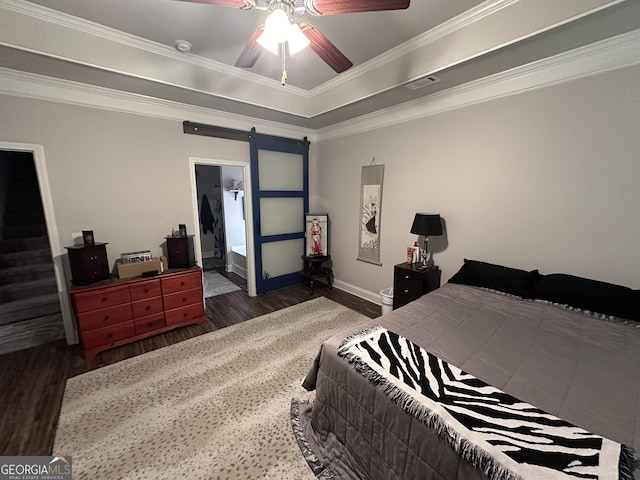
(427, 224)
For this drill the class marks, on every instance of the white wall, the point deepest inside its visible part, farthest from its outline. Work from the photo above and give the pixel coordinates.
(547, 179)
(127, 177)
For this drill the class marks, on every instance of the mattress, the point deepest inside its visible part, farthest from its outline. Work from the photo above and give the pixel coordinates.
(580, 367)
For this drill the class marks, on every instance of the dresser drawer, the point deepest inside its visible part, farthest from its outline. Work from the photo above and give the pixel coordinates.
(147, 307)
(108, 335)
(144, 290)
(184, 314)
(184, 281)
(182, 299)
(409, 283)
(406, 284)
(149, 324)
(103, 317)
(105, 297)
(400, 299)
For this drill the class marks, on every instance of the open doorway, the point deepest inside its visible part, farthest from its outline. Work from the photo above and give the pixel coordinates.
(31, 310)
(221, 227)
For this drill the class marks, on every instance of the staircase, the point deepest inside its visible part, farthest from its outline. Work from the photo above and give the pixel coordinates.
(29, 306)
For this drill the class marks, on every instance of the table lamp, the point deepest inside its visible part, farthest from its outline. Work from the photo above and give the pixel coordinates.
(426, 224)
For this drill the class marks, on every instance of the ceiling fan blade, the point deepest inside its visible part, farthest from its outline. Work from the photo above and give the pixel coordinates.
(326, 50)
(252, 50)
(333, 7)
(243, 4)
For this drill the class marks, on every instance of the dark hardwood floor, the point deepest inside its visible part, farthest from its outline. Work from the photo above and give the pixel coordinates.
(32, 381)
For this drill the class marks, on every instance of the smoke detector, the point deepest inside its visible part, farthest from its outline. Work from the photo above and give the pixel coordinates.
(183, 46)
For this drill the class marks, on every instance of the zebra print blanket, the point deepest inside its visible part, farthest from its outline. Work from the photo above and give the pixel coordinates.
(506, 438)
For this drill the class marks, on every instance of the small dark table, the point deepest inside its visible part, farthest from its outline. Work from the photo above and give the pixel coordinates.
(88, 263)
(410, 283)
(313, 270)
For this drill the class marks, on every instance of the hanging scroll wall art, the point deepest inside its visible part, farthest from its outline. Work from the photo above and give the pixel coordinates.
(370, 208)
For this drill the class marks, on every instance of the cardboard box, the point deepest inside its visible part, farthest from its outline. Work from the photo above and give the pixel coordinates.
(136, 269)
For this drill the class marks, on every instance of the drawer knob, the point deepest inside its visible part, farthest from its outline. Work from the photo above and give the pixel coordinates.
(406, 277)
(184, 299)
(146, 290)
(148, 307)
(106, 317)
(185, 315)
(109, 335)
(104, 299)
(406, 291)
(182, 284)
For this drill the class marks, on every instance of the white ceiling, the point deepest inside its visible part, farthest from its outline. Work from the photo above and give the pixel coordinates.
(128, 45)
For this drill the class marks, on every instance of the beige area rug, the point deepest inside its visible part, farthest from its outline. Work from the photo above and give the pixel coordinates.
(213, 407)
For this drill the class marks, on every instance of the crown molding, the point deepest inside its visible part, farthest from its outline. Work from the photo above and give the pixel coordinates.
(474, 14)
(297, 101)
(469, 17)
(455, 42)
(611, 54)
(30, 85)
(101, 31)
(607, 55)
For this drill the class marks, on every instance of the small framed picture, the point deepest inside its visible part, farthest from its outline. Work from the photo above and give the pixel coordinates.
(87, 238)
(182, 229)
(316, 233)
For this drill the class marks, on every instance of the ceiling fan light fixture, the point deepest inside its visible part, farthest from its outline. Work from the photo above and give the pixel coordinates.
(297, 40)
(276, 31)
(268, 42)
(277, 25)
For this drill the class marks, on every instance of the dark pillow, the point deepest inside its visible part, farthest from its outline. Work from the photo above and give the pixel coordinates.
(592, 295)
(496, 277)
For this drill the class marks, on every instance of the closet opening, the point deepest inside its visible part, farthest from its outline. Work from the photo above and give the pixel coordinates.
(222, 229)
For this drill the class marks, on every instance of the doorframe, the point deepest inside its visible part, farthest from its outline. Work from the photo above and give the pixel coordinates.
(57, 253)
(246, 173)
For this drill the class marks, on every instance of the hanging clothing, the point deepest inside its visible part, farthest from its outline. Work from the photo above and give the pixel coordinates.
(206, 215)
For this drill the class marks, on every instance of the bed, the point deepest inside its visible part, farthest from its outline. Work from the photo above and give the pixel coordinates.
(567, 345)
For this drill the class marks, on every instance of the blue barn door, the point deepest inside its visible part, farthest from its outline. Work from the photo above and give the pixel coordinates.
(280, 191)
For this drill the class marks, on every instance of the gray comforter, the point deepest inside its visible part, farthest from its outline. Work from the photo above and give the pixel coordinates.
(583, 369)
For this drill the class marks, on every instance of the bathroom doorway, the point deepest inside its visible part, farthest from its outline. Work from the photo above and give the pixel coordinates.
(222, 227)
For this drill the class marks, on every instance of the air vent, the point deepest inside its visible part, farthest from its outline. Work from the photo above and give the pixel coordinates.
(422, 82)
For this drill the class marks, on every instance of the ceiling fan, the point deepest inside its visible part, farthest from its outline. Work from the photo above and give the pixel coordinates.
(282, 28)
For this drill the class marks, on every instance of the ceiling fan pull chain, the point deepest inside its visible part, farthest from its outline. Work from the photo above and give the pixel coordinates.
(283, 80)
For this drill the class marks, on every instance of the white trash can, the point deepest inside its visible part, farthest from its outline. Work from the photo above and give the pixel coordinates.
(387, 300)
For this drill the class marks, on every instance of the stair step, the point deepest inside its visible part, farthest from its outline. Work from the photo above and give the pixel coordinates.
(26, 196)
(23, 231)
(24, 218)
(30, 333)
(24, 207)
(23, 189)
(19, 291)
(20, 244)
(26, 273)
(29, 308)
(28, 257)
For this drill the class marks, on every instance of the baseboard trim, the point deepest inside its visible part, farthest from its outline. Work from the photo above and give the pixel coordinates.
(358, 292)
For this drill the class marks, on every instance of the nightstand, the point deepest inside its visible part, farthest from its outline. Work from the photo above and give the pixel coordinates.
(409, 283)
(180, 252)
(88, 263)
